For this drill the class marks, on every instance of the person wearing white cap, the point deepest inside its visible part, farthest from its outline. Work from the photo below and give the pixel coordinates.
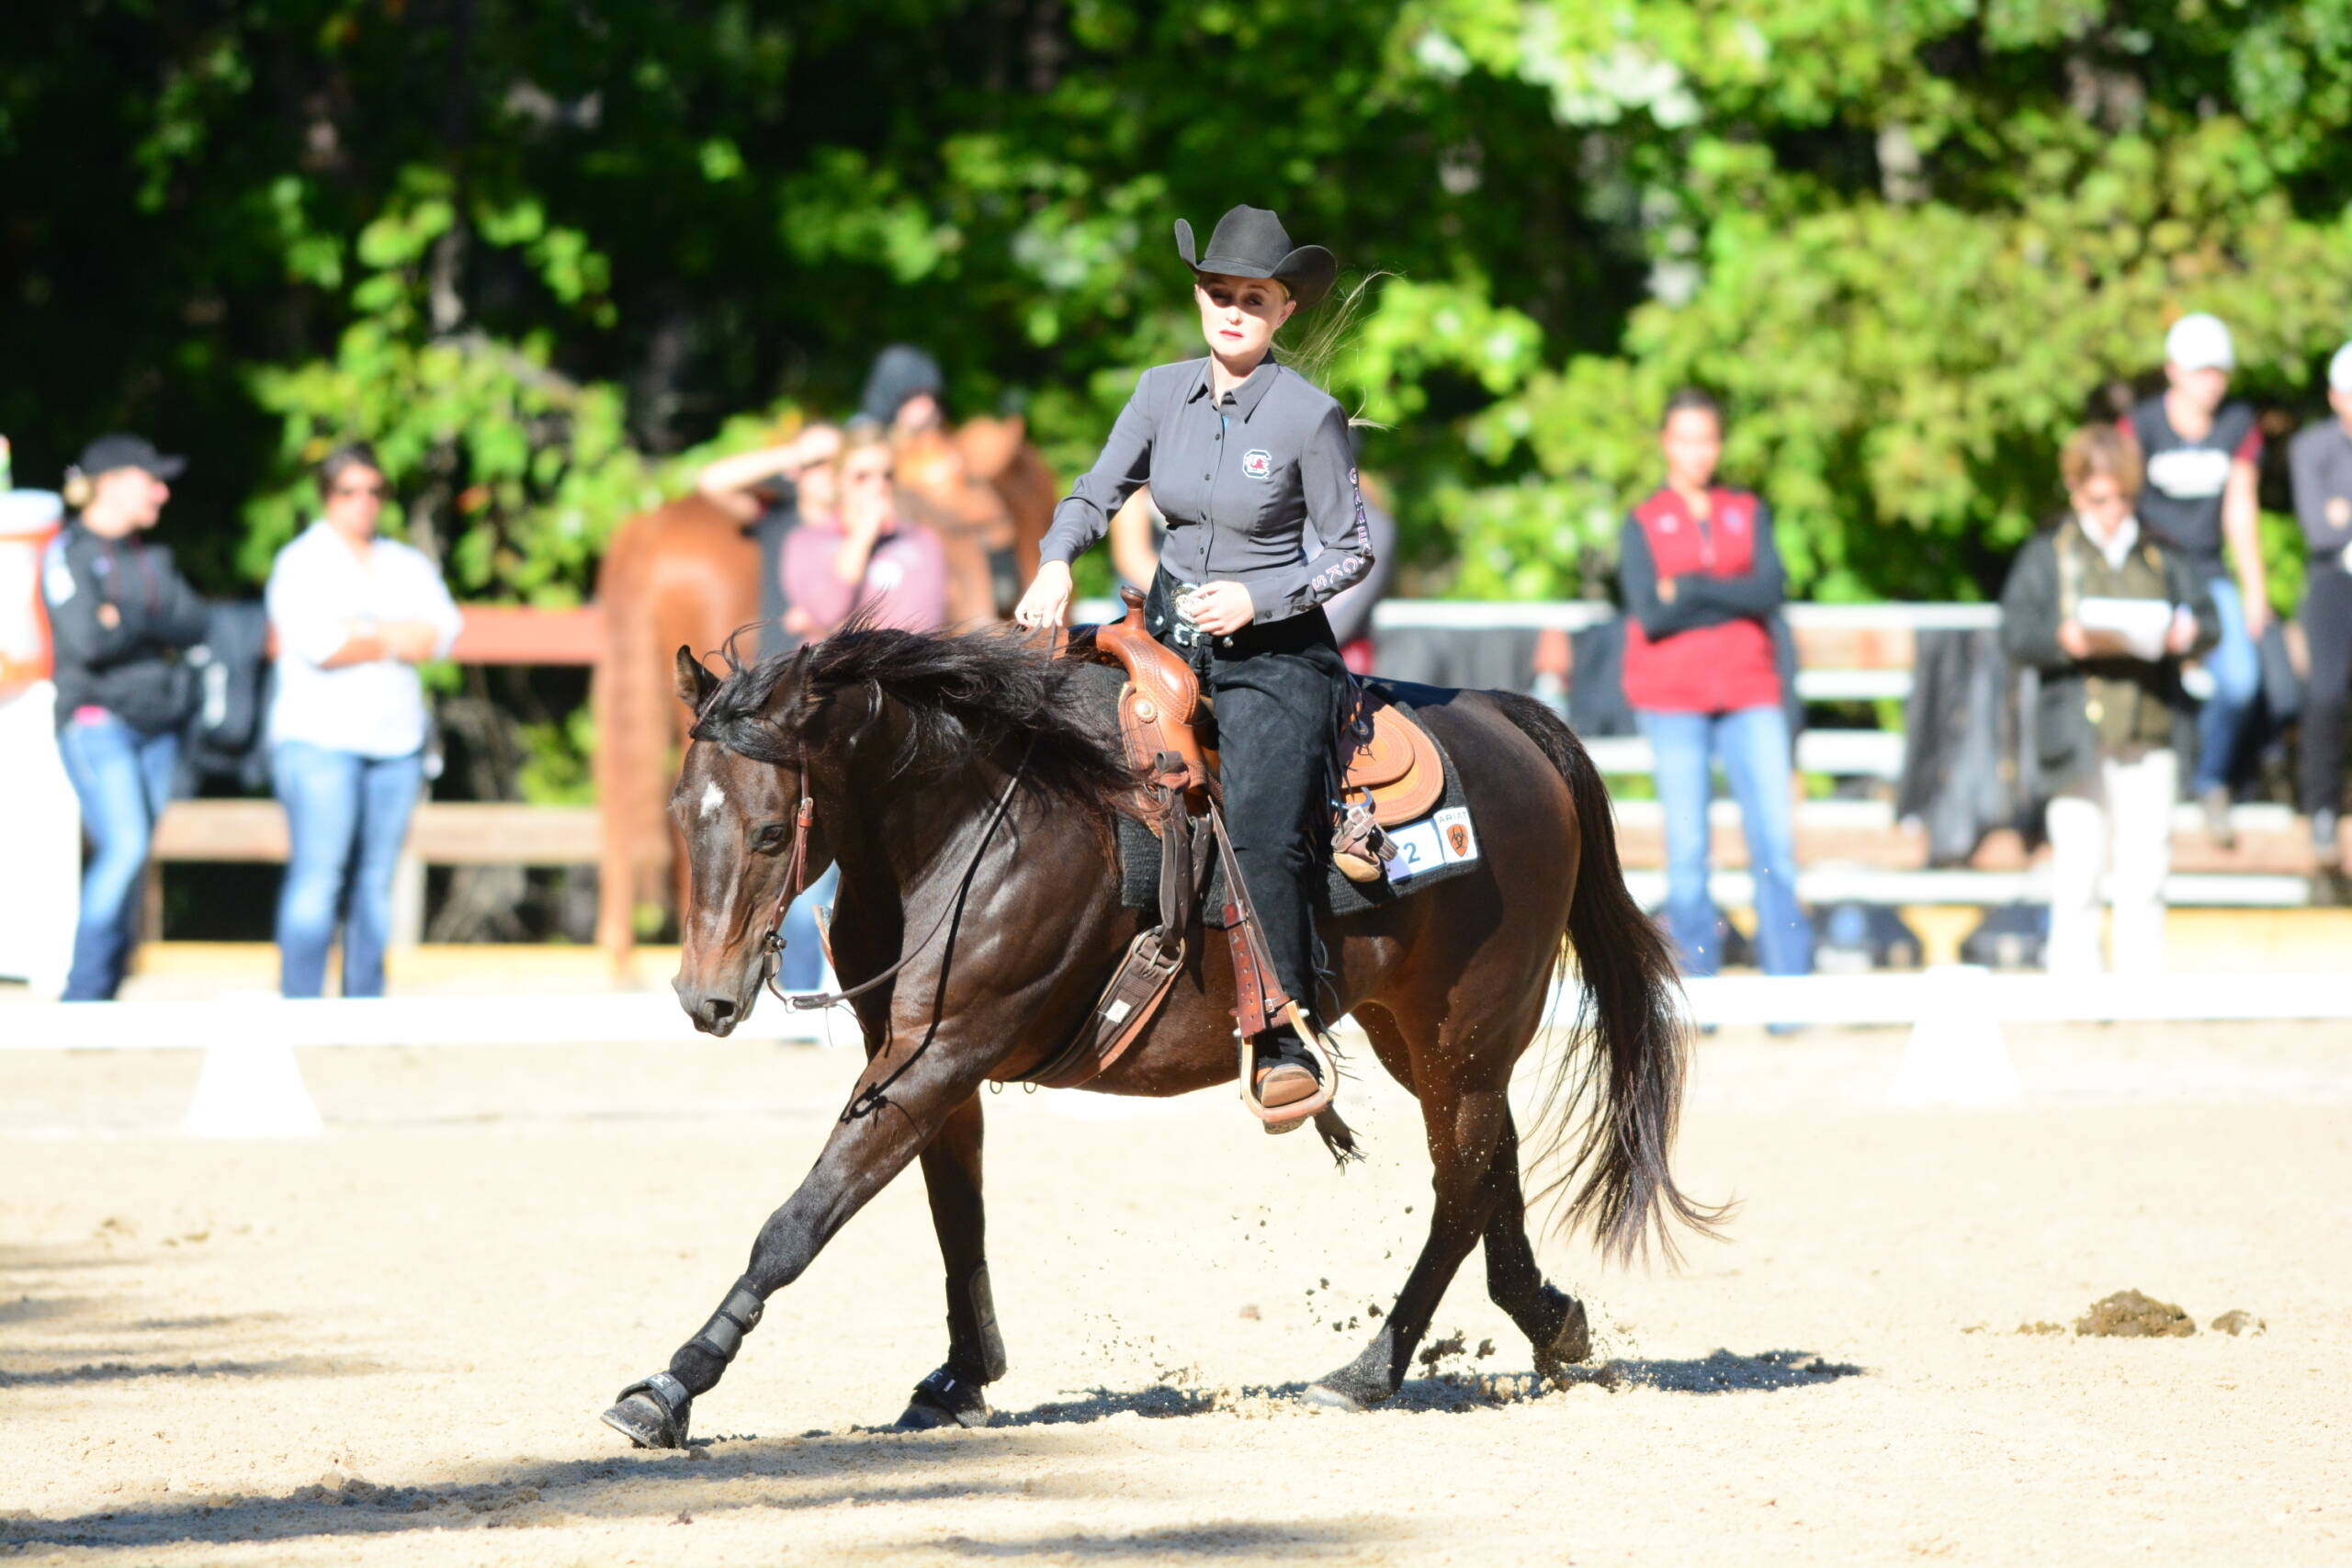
(2201, 452)
(2320, 461)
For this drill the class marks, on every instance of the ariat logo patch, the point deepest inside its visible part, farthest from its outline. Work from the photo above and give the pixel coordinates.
(1256, 462)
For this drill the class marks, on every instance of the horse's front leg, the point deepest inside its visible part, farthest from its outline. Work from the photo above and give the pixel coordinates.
(951, 1174)
(905, 1096)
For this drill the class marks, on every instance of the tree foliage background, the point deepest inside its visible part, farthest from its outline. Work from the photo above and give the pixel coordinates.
(544, 251)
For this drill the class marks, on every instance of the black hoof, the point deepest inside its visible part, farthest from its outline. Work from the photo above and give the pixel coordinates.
(1365, 1382)
(1571, 1344)
(654, 1414)
(943, 1399)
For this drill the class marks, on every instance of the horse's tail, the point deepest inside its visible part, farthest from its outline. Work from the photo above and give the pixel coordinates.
(1627, 1051)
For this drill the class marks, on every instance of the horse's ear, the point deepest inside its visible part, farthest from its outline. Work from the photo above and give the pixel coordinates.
(696, 683)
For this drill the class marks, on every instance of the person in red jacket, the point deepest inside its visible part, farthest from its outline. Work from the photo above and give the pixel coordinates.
(1703, 581)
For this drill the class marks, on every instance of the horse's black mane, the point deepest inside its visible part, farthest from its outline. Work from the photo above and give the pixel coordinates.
(968, 696)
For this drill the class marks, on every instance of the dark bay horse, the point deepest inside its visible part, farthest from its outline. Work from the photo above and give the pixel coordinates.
(966, 786)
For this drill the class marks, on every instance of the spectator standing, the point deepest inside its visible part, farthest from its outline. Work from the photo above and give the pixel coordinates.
(865, 557)
(119, 617)
(2108, 696)
(2200, 451)
(774, 490)
(2320, 460)
(353, 614)
(1703, 583)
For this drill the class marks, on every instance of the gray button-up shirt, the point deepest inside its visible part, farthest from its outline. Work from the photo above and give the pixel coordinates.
(1237, 476)
(2320, 460)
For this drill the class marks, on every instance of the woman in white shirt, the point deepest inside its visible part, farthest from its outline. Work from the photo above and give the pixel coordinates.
(354, 616)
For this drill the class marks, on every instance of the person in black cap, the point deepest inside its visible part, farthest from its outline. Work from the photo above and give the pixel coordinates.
(119, 616)
(902, 391)
(1242, 454)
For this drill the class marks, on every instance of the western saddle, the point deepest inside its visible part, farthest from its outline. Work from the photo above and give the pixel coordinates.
(1394, 774)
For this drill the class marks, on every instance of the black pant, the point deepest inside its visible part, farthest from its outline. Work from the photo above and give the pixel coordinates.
(2327, 627)
(1277, 691)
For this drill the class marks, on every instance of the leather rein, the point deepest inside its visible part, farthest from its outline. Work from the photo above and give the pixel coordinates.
(795, 874)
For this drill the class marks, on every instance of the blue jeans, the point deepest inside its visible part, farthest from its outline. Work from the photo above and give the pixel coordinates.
(1752, 744)
(347, 817)
(803, 966)
(2236, 669)
(122, 777)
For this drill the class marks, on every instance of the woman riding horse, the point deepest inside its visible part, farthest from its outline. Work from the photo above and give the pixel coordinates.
(1239, 451)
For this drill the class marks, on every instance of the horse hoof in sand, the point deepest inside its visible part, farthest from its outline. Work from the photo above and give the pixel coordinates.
(1555, 1362)
(943, 1399)
(1323, 1396)
(652, 1413)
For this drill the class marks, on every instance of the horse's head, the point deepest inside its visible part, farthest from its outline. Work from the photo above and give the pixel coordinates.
(735, 805)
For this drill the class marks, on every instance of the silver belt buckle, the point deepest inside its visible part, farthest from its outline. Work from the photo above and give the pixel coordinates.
(1186, 631)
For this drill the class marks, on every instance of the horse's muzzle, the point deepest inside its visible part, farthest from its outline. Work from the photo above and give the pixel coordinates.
(714, 1011)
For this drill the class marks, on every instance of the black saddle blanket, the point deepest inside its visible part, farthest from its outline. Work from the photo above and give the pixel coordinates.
(1426, 841)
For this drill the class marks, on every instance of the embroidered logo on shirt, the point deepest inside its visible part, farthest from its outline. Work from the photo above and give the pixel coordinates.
(1256, 462)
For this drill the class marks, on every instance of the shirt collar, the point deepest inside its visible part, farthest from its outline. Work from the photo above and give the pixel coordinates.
(1247, 396)
(2118, 549)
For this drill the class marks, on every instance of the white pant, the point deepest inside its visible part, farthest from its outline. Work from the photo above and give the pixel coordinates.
(2116, 824)
(40, 844)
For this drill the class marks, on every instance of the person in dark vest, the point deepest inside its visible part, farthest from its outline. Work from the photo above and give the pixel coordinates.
(2201, 450)
(2320, 459)
(2107, 611)
(120, 617)
(1242, 454)
(1703, 581)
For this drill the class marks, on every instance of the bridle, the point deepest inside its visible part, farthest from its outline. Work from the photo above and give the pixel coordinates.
(796, 881)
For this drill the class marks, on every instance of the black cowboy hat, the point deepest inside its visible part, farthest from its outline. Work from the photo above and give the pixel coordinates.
(1250, 241)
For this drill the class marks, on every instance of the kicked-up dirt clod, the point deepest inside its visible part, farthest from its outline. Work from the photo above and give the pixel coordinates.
(2237, 1321)
(2128, 1314)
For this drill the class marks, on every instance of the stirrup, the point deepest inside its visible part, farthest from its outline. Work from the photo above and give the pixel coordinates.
(1289, 1118)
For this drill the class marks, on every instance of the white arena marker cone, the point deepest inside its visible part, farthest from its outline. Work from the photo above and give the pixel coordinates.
(250, 1089)
(1956, 1055)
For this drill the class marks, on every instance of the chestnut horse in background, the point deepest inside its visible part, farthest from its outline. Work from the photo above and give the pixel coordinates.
(687, 575)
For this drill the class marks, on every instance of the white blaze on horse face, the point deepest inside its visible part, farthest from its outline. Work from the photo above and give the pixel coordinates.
(714, 800)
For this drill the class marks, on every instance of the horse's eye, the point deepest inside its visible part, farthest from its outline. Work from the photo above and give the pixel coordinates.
(768, 839)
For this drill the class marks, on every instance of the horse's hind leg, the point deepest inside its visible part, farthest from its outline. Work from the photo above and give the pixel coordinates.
(1553, 1320)
(951, 1172)
(1462, 1127)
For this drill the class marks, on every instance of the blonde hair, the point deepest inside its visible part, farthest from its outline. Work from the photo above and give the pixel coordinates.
(2101, 449)
(1325, 339)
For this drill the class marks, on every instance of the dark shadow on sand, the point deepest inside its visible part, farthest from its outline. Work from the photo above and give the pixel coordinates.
(1225, 1538)
(708, 1477)
(1725, 1371)
(124, 1372)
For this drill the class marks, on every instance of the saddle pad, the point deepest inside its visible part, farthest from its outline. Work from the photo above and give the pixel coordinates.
(1434, 848)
